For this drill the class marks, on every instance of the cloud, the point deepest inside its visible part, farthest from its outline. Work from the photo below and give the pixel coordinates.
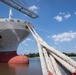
(62, 13)
(48, 37)
(64, 37)
(66, 16)
(29, 39)
(75, 13)
(25, 41)
(34, 8)
(58, 18)
(74, 47)
(62, 16)
(26, 44)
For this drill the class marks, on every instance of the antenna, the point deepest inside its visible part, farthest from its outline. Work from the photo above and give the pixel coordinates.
(20, 7)
(10, 13)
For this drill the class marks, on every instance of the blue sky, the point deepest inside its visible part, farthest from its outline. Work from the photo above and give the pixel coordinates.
(56, 24)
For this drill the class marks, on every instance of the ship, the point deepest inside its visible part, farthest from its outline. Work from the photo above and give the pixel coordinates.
(12, 33)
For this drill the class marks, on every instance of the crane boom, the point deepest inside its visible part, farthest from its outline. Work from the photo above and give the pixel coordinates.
(18, 6)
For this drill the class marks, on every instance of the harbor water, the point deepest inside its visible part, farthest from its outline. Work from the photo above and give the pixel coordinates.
(34, 68)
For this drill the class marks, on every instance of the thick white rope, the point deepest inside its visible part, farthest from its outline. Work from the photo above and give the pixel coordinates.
(71, 63)
(43, 64)
(55, 65)
(65, 64)
(61, 55)
(49, 63)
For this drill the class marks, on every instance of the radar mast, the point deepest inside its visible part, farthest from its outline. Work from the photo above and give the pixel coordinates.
(10, 13)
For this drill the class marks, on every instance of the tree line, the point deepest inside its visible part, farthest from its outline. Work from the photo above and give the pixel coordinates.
(70, 54)
(37, 54)
(33, 55)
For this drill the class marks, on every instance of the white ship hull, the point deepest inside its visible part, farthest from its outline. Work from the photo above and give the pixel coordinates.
(12, 32)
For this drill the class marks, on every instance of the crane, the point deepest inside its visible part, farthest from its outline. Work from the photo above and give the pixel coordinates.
(20, 7)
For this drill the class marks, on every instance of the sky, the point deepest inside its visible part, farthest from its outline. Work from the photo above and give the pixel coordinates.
(56, 24)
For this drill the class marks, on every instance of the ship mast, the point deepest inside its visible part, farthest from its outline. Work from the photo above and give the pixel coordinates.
(10, 13)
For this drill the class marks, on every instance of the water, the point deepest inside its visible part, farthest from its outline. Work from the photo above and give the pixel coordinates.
(34, 68)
